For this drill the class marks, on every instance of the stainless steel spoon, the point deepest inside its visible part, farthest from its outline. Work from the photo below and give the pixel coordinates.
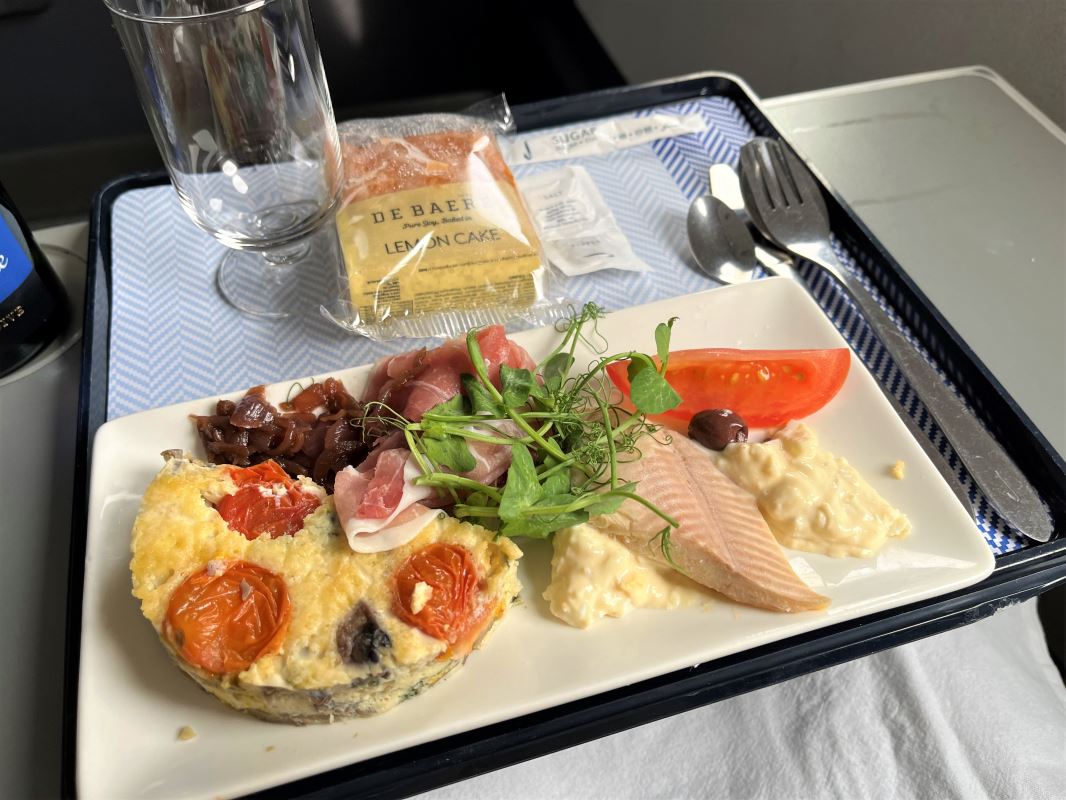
(720, 242)
(725, 249)
(789, 209)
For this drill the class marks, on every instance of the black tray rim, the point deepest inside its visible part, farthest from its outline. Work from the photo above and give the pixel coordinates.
(1017, 576)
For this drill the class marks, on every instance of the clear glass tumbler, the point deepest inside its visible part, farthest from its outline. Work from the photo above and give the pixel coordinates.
(237, 100)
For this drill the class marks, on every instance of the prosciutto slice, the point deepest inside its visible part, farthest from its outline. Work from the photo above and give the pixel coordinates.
(384, 487)
(492, 459)
(378, 504)
(393, 373)
(414, 382)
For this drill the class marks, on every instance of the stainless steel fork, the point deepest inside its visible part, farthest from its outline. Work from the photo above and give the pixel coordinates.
(786, 203)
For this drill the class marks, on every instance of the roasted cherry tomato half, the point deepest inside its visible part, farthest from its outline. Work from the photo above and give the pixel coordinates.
(223, 622)
(267, 502)
(266, 473)
(449, 571)
(765, 387)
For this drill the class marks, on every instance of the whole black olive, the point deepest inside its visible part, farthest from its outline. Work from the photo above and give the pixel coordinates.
(717, 427)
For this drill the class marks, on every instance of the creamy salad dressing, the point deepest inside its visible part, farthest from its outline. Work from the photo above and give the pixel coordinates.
(811, 499)
(595, 576)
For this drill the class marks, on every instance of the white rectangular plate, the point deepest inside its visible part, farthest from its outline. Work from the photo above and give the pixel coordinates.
(132, 700)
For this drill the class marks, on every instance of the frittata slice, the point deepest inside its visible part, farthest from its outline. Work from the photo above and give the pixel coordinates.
(297, 627)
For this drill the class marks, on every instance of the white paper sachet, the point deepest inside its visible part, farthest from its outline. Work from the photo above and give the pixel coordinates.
(577, 229)
(600, 137)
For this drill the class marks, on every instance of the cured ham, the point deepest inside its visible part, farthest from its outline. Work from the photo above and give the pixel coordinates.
(393, 373)
(492, 459)
(384, 486)
(378, 505)
(412, 383)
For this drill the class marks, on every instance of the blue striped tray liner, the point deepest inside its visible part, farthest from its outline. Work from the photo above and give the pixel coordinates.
(174, 339)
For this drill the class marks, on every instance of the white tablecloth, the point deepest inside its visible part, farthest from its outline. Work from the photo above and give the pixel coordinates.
(977, 712)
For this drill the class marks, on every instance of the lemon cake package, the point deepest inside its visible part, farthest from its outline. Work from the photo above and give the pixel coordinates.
(434, 234)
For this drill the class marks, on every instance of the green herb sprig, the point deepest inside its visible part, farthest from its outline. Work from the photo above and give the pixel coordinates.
(571, 435)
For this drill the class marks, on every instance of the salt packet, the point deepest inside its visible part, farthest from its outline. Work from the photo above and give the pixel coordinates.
(578, 232)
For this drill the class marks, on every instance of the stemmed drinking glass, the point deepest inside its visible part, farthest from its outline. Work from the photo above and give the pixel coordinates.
(236, 97)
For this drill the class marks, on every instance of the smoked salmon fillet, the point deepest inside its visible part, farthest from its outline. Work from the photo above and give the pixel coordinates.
(723, 541)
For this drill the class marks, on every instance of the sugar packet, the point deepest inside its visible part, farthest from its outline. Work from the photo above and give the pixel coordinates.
(578, 232)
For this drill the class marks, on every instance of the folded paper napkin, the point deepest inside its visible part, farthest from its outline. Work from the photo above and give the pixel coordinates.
(976, 712)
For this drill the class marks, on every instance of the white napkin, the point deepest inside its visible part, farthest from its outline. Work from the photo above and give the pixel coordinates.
(975, 712)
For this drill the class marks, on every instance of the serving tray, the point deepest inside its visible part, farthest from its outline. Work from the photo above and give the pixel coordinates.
(1022, 572)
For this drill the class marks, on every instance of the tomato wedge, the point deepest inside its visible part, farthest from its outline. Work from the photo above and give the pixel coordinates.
(223, 622)
(267, 502)
(765, 387)
(451, 574)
